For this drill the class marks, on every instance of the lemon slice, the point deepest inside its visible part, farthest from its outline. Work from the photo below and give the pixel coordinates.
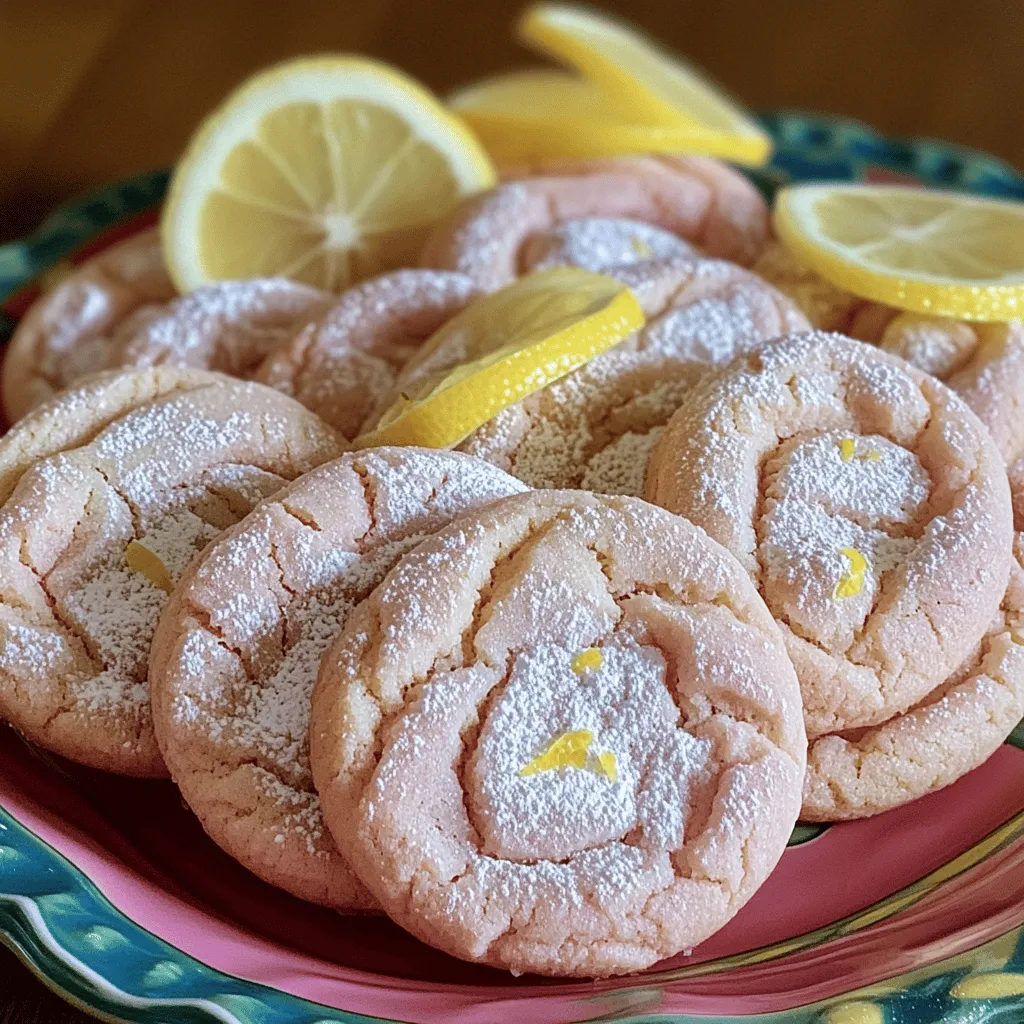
(514, 342)
(327, 170)
(637, 75)
(527, 116)
(928, 251)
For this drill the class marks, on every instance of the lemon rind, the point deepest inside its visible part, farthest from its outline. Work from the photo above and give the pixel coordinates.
(448, 416)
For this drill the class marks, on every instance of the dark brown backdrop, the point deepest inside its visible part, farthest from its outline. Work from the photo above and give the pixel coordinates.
(94, 90)
(99, 89)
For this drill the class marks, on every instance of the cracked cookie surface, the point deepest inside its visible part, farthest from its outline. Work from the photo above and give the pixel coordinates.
(704, 202)
(344, 366)
(67, 332)
(867, 502)
(595, 427)
(562, 736)
(92, 540)
(74, 417)
(229, 326)
(238, 647)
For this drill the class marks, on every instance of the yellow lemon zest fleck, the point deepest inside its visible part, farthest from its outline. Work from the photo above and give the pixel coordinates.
(1016, 637)
(567, 751)
(852, 581)
(640, 247)
(608, 766)
(589, 660)
(140, 559)
(848, 451)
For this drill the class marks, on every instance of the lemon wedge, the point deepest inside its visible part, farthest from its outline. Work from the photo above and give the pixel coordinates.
(635, 74)
(928, 251)
(326, 170)
(530, 116)
(512, 343)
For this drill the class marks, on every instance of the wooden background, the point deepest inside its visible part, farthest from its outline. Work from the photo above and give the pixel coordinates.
(94, 90)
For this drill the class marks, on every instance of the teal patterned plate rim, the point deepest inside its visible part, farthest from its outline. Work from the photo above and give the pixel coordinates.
(65, 930)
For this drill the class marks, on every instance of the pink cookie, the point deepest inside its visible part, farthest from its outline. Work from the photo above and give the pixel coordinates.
(343, 366)
(237, 650)
(1016, 474)
(562, 736)
(66, 334)
(74, 417)
(229, 326)
(92, 541)
(866, 501)
(601, 244)
(957, 727)
(983, 363)
(702, 201)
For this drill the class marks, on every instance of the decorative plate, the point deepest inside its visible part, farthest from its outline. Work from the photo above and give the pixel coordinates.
(112, 894)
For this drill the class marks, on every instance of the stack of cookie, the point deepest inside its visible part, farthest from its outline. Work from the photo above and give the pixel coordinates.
(539, 721)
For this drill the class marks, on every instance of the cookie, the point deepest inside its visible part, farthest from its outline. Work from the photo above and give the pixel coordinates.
(1016, 474)
(345, 365)
(700, 200)
(866, 501)
(66, 334)
(93, 539)
(595, 427)
(230, 326)
(601, 244)
(953, 730)
(562, 736)
(238, 646)
(74, 417)
(827, 307)
(983, 363)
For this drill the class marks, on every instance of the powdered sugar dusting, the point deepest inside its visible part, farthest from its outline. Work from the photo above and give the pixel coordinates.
(229, 326)
(344, 366)
(115, 608)
(936, 345)
(600, 244)
(595, 427)
(264, 714)
(558, 813)
(271, 714)
(832, 493)
(69, 329)
(620, 467)
(299, 815)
